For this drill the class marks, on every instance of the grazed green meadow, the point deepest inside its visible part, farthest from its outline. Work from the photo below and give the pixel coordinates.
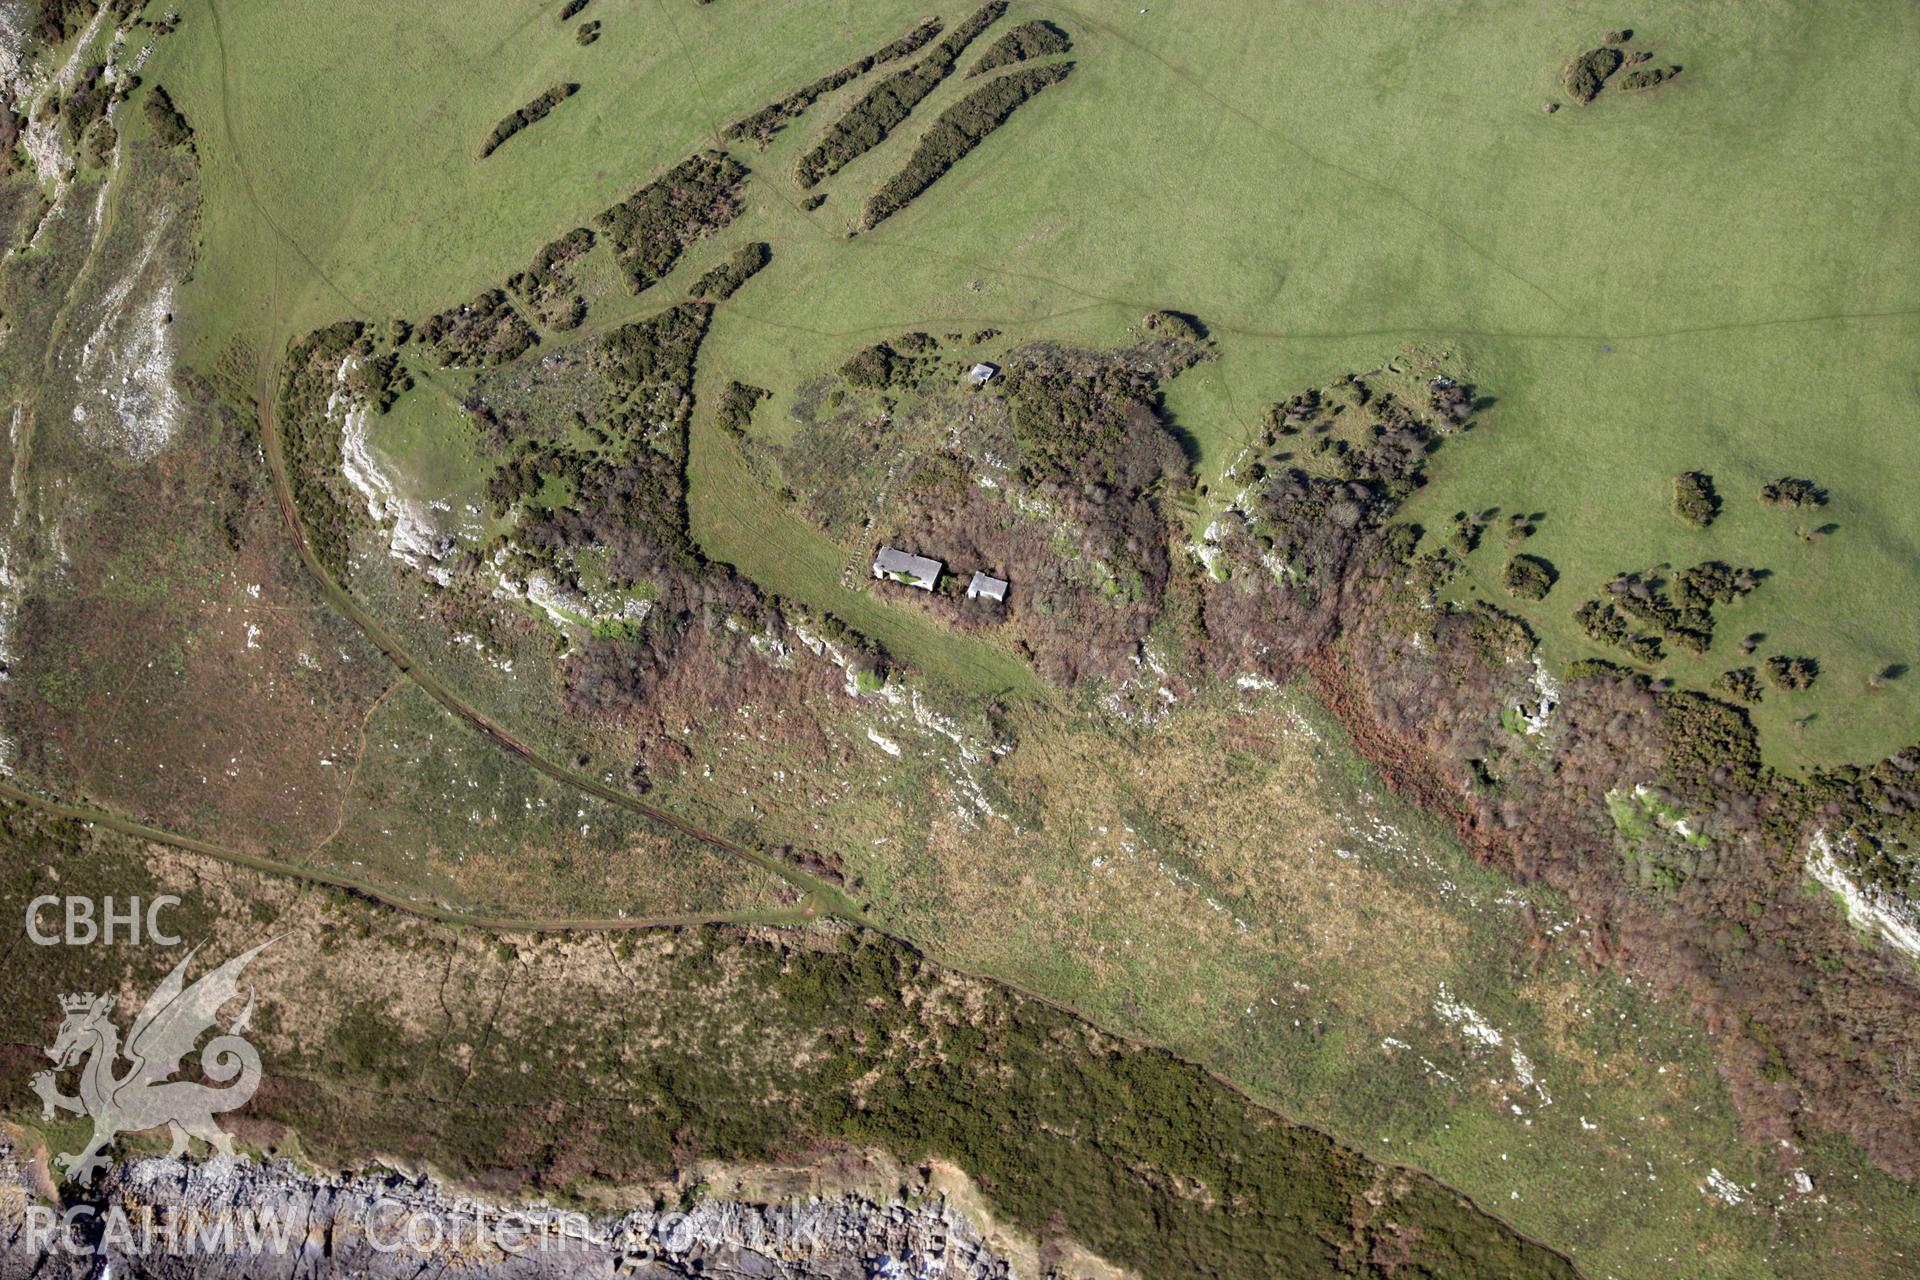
(1321, 186)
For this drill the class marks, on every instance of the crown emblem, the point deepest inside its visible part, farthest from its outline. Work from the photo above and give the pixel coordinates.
(77, 1004)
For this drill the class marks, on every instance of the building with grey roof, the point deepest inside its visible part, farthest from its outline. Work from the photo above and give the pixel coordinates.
(904, 566)
(987, 588)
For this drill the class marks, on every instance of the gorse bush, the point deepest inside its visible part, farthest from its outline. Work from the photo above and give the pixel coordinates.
(486, 331)
(1647, 77)
(960, 129)
(868, 121)
(531, 114)
(1713, 582)
(1792, 673)
(723, 281)
(876, 368)
(650, 228)
(1694, 500)
(170, 128)
(1605, 623)
(1638, 603)
(1741, 684)
(1792, 493)
(1036, 39)
(1528, 577)
(770, 119)
(737, 404)
(1587, 74)
(548, 287)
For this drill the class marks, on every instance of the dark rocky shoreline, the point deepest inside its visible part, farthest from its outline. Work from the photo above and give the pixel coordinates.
(234, 1219)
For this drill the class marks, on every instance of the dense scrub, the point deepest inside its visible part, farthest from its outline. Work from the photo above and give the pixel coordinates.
(1587, 74)
(1309, 512)
(549, 287)
(486, 331)
(650, 228)
(867, 122)
(1819, 1027)
(1088, 423)
(763, 124)
(1036, 39)
(960, 129)
(309, 420)
(1051, 476)
(590, 455)
(1528, 577)
(170, 128)
(724, 279)
(56, 21)
(1792, 493)
(83, 112)
(737, 404)
(531, 114)
(1694, 499)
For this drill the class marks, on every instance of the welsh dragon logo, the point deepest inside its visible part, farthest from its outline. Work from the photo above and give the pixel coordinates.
(144, 1095)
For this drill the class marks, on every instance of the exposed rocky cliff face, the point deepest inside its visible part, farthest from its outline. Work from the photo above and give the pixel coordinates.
(226, 1218)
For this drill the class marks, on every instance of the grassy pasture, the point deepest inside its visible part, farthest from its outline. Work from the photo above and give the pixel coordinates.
(436, 814)
(1323, 187)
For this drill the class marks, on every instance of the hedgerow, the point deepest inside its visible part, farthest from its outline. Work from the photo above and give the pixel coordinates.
(723, 280)
(868, 121)
(960, 128)
(531, 114)
(1036, 39)
(650, 228)
(770, 119)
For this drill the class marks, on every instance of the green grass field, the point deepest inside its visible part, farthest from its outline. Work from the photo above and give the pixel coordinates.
(1322, 187)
